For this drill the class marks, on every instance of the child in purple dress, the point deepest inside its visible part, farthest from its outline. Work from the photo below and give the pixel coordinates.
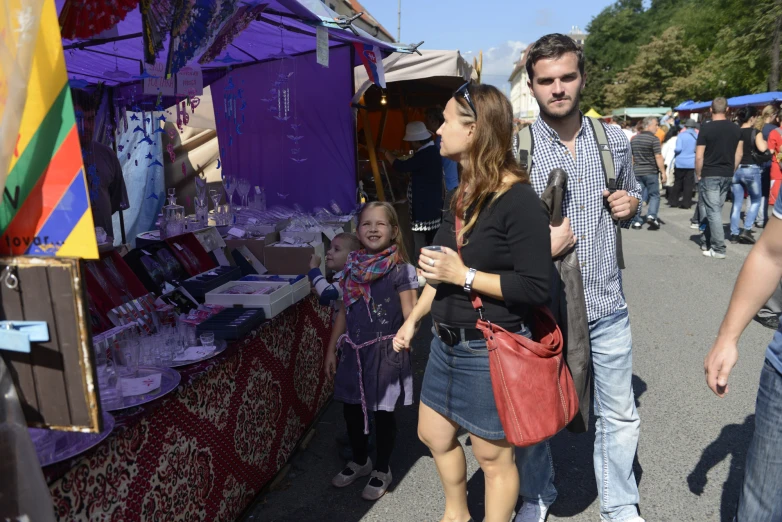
(379, 291)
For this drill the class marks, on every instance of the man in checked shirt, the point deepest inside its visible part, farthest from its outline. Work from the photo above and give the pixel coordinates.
(563, 138)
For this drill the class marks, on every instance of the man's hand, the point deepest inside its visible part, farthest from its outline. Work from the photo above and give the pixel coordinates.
(664, 177)
(718, 364)
(314, 261)
(562, 238)
(621, 204)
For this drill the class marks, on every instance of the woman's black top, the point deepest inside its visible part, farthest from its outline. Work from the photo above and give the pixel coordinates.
(749, 146)
(427, 179)
(511, 238)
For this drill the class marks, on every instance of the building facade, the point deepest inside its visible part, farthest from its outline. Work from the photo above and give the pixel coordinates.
(367, 22)
(525, 107)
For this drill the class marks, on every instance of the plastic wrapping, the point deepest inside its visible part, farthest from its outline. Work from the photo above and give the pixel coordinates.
(24, 494)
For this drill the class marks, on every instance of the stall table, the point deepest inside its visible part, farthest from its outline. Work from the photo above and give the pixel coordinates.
(205, 450)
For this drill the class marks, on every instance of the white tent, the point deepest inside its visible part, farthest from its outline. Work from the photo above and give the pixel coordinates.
(442, 68)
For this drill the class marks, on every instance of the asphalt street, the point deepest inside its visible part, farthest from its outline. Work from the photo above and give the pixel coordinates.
(693, 445)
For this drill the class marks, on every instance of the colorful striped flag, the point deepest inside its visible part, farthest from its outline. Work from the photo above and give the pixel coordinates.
(45, 208)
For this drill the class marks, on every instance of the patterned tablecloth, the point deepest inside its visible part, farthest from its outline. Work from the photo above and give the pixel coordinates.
(204, 451)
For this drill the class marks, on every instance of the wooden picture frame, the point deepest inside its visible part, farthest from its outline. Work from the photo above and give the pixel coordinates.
(56, 382)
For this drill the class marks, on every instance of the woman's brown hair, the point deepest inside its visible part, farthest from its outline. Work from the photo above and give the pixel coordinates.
(490, 157)
(393, 220)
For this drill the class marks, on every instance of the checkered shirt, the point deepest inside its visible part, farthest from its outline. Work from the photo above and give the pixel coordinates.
(591, 223)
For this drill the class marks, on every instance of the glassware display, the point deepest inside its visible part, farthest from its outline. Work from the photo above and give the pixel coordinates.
(229, 182)
(126, 356)
(173, 220)
(202, 211)
(243, 186)
(215, 195)
(207, 339)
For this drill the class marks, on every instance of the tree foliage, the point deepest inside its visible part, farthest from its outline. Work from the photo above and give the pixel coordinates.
(678, 49)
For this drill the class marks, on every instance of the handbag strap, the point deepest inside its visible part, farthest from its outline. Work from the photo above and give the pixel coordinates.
(474, 298)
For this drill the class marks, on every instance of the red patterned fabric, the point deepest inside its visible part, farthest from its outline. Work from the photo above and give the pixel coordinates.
(203, 452)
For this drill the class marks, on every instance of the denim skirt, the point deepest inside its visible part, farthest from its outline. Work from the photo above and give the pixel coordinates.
(457, 385)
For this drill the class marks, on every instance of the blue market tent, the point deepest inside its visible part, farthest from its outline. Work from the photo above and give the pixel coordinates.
(763, 98)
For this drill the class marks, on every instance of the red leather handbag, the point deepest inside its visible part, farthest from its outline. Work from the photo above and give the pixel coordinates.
(532, 385)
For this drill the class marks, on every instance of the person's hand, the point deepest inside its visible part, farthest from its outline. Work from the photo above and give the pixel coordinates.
(664, 178)
(315, 261)
(620, 203)
(330, 365)
(404, 336)
(562, 238)
(443, 267)
(718, 365)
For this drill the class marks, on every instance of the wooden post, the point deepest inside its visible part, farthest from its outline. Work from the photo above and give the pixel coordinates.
(381, 194)
(382, 129)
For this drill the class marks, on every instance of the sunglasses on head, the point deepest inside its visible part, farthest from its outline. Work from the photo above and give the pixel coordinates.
(464, 91)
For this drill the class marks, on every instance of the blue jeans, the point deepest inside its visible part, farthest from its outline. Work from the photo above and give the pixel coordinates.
(747, 176)
(650, 186)
(617, 428)
(713, 192)
(761, 498)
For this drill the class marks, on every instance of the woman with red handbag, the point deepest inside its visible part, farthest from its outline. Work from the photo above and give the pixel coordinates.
(504, 242)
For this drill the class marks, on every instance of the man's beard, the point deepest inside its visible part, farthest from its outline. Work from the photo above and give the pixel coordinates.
(560, 115)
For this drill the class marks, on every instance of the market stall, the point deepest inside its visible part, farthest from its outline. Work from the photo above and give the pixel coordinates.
(207, 347)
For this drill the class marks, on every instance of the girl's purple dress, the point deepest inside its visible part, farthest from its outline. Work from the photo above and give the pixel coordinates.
(388, 375)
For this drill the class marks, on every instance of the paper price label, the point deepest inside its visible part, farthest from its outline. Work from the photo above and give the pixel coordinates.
(178, 246)
(145, 252)
(237, 232)
(253, 221)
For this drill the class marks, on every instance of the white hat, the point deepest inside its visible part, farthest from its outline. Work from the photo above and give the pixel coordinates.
(416, 131)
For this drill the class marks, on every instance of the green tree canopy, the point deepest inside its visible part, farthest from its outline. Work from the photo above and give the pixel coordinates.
(680, 49)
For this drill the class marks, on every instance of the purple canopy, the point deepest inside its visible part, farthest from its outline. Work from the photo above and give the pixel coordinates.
(260, 149)
(262, 40)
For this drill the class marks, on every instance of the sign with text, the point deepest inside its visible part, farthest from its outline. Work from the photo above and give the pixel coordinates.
(190, 82)
(158, 84)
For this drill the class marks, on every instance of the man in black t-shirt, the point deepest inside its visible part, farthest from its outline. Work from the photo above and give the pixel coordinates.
(717, 155)
(648, 167)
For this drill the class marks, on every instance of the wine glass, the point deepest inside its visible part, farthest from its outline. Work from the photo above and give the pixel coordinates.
(229, 182)
(215, 195)
(243, 187)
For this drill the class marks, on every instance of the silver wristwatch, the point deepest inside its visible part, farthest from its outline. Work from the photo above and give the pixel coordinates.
(468, 281)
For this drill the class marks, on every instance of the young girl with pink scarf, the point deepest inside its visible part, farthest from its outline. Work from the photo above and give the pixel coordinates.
(379, 291)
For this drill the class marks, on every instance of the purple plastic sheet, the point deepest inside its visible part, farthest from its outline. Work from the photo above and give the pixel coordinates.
(261, 153)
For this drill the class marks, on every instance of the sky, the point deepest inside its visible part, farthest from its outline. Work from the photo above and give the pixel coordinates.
(501, 28)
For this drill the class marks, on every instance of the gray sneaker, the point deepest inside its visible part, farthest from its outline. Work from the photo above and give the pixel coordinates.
(351, 473)
(712, 253)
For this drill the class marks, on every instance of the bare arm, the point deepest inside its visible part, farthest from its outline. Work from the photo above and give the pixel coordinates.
(661, 166)
(760, 143)
(413, 315)
(737, 156)
(757, 280)
(340, 326)
(699, 152)
(408, 299)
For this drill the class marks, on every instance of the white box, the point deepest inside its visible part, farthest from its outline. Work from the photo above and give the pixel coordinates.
(299, 290)
(273, 304)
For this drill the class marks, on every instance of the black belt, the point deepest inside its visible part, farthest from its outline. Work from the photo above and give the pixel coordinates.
(452, 336)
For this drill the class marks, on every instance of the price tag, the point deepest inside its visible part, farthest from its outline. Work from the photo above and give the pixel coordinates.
(236, 232)
(257, 190)
(178, 246)
(330, 233)
(289, 240)
(253, 221)
(145, 252)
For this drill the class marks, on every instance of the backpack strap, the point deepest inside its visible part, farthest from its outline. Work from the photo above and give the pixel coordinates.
(609, 169)
(606, 159)
(525, 148)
